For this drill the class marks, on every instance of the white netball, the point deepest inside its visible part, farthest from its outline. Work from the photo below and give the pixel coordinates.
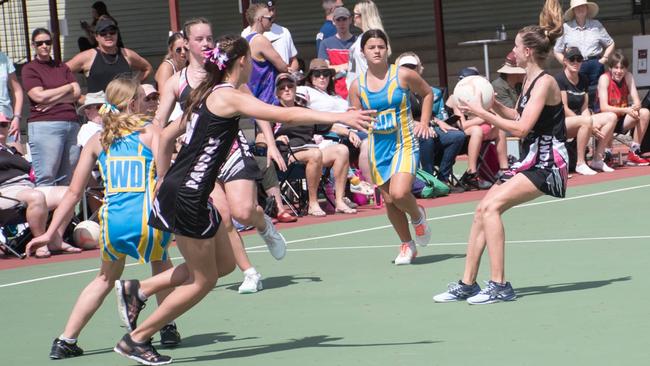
(86, 235)
(467, 87)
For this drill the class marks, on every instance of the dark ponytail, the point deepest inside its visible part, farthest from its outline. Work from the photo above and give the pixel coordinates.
(233, 47)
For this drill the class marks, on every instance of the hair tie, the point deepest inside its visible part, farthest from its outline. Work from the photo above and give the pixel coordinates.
(546, 33)
(217, 57)
(108, 108)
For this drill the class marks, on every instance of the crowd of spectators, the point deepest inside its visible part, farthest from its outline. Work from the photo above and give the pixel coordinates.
(598, 104)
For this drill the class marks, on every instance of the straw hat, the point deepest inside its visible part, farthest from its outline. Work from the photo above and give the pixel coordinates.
(98, 98)
(592, 9)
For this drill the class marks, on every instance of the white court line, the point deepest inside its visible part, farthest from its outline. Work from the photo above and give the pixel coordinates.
(252, 249)
(533, 241)
(458, 215)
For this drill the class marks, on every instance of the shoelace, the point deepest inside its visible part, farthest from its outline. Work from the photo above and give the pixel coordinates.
(404, 250)
(490, 288)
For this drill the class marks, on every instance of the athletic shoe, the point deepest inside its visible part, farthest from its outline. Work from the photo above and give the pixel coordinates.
(144, 353)
(583, 169)
(492, 293)
(274, 240)
(600, 165)
(62, 349)
(169, 336)
(471, 181)
(635, 160)
(406, 254)
(252, 283)
(129, 304)
(458, 292)
(422, 230)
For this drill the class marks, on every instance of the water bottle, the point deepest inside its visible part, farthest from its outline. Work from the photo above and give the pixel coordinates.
(502, 33)
(377, 198)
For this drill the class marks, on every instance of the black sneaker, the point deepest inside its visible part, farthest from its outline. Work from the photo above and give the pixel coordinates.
(471, 181)
(143, 353)
(455, 188)
(62, 349)
(129, 304)
(169, 336)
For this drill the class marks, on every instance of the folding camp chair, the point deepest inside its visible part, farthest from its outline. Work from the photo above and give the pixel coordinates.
(14, 232)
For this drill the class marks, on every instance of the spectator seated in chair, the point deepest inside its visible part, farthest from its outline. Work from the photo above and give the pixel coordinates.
(478, 132)
(297, 142)
(15, 183)
(615, 89)
(447, 140)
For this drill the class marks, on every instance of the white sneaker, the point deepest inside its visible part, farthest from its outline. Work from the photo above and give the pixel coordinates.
(600, 165)
(422, 231)
(252, 283)
(406, 254)
(274, 240)
(585, 170)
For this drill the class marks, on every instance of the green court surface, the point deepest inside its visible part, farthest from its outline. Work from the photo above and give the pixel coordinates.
(579, 266)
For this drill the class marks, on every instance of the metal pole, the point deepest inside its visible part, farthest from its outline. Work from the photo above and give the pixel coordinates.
(440, 44)
(174, 16)
(487, 60)
(26, 29)
(243, 6)
(56, 33)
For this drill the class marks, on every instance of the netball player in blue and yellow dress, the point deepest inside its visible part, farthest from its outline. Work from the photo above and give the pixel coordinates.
(393, 139)
(124, 150)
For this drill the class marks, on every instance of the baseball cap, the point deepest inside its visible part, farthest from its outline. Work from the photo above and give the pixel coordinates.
(104, 23)
(467, 71)
(341, 12)
(407, 60)
(572, 52)
(510, 65)
(268, 3)
(282, 77)
(148, 89)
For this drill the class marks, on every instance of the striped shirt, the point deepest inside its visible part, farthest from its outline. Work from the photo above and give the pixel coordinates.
(590, 39)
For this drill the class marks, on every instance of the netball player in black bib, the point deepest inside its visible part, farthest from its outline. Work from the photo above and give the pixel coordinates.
(539, 119)
(236, 193)
(182, 205)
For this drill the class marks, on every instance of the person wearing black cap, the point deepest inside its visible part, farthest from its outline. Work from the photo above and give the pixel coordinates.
(99, 9)
(102, 64)
(336, 49)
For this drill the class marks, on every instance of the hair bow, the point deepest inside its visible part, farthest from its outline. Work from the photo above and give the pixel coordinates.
(108, 108)
(216, 56)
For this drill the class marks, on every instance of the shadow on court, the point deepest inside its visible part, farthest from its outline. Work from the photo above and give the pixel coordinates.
(566, 287)
(276, 282)
(198, 340)
(434, 258)
(306, 342)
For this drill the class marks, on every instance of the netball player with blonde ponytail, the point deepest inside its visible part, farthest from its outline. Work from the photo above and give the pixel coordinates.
(539, 120)
(124, 151)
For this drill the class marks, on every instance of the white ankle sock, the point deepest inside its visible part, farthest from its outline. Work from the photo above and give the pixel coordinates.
(141, 295)
(68, 340)
(250, 271)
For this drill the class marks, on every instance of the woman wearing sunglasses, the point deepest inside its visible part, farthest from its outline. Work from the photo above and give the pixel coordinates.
(175, 60)
(580, 122)
(53, 123)
(102, 64)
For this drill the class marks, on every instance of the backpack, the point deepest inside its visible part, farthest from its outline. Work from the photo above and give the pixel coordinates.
(428, 186)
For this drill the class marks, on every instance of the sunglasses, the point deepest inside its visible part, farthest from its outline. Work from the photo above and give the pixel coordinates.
(357, 14)
(269, 18)
(286, 86)
(110, 32)
(410, 66)
(575, 59)
(151, 98)
(5, 124)
(323, 73)
(40, 43)
(94, 106)
(181, 49)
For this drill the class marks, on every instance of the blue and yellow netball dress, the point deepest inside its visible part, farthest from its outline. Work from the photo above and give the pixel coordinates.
(393, 147)
(129, 182)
